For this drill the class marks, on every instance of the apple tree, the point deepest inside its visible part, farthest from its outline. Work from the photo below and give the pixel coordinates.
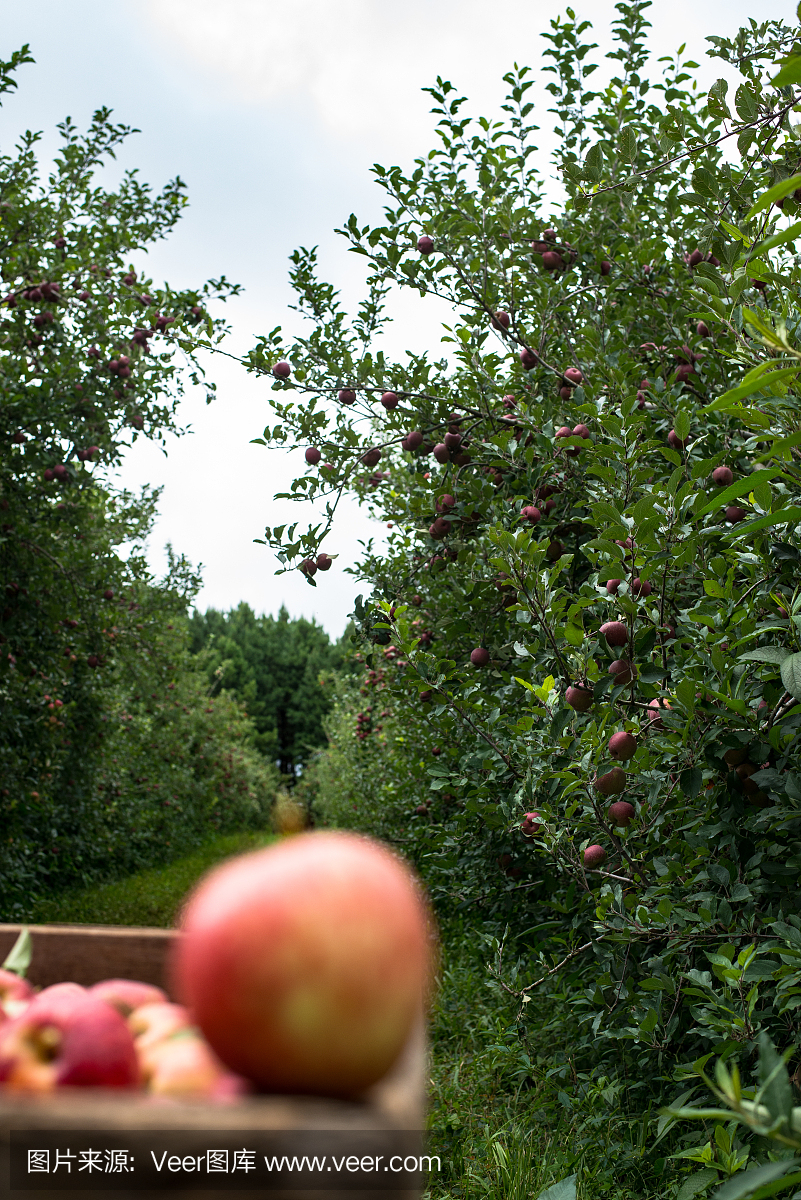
(589, 609)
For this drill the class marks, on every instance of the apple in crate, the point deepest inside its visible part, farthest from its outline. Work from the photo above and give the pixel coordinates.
(67, 1038)
(15, 995)
(127, 994)
(306, 964)
(174, 1059)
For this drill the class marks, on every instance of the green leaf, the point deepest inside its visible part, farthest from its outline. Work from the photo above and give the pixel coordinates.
(767, 654)
(628, 146)
(775, 1089)
(746, 102)
(762, 377)
(777, 239)
(789, 73)
(791, 675)
(19, 956)
(565, 1189)
(682, 424)
(697, 1183)
(777, 192)
(745, 1183)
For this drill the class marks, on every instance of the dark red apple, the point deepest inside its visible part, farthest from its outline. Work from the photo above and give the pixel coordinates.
(108, 594)
(346, 396)
(695, 258)
(723, 476)
(640, 587)
(413, 440)
(371, 457)
(313, 456)
(621, 813)
(528, 358)
(675, 441)
(594, 856)
(452, 440)
(389, 400)
(439, 529)
(441, 453)
(530, 824)
(622, 670)
(734, 514)
(579, 698)
(555, 550)
(702, 329)
(615, 632)
(531, 514)
(281, 370)
(308, 567)
(425, 244)
(606, 267)
(324, 562)
(613, 783)
(612, 585)
(574, 376)
(501, 320)
(622, 745)
(306, 965)
(552, 261)
(479, 657)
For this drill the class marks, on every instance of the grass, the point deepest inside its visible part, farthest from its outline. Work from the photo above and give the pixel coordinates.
(153, 897)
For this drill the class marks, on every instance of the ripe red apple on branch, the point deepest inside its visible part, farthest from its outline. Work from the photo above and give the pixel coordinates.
(306, 964)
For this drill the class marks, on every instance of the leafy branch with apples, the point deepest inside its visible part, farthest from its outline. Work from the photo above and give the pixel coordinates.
(586, 620)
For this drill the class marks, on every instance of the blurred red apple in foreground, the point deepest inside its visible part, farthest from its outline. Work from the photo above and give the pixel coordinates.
(306, 964)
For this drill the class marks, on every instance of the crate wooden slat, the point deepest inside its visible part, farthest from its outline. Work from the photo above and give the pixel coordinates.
(87, 954)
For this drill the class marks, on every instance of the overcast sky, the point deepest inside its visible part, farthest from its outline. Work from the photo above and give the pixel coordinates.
(273, 113)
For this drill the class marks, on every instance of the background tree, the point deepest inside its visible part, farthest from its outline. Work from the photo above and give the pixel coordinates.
(92, 357)
(279, 668)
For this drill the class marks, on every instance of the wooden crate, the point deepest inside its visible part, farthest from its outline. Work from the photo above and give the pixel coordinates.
(391, 1111)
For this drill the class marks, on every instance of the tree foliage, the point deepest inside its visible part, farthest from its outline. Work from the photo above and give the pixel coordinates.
(92, 357)
(558, 470)
(279, 668)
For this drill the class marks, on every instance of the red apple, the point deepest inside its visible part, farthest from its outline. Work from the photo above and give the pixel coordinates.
(615, 632)
(735, 514)
(612, 585)
(528, 358)
(346, 396)
(581, 431)
(501, 320)
(622, 745)
(722, 476)
(108, 594)
(695, 258)
(67, 1040)
(425, 244)
(413, 440)
(531, 514)
(606, 267)
(306, 964)
(640, 587)
(579, 698)
(324, 562)
(530, 824)
(185, 1065)
(552, 261)
(371, 457)
(313, 456)
(282, 370)
(573, 375)
(613, 783)
(594, 856)
(127, 994)
(675, 441)
(389, 400)
(479, 657)
(653, 712)
(621, 813)
(308, 567)
(622, 671)
(15, 994)
(702, 329)
(554, 551)
(441, 453)
(440, 528)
